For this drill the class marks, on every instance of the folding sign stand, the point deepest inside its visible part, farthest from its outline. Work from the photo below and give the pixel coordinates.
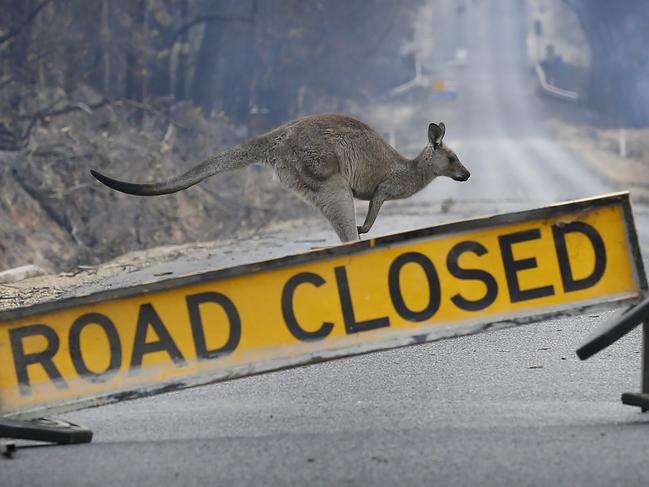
(613, 330)
(42, 429)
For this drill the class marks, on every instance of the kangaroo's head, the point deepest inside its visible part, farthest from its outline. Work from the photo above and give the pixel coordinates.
(443, 161)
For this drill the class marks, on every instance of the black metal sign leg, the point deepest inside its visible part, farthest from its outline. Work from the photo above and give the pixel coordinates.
(7, 448)
(613, 330)
(641, 399)
(44, 429)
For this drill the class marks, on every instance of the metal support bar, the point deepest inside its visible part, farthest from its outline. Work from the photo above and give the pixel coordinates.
(615, 329)
(645, 357)
(641, 399)
(551, 89)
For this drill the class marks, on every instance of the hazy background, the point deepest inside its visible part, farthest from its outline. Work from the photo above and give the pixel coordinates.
(143, 89)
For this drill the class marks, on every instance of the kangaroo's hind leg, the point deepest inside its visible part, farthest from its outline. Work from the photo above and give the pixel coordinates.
(334, 199)
(326, 190)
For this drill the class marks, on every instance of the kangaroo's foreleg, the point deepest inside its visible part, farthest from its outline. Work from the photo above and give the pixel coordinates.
(375, 205)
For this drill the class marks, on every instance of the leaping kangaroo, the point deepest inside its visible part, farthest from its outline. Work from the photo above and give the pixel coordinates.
(328, 160)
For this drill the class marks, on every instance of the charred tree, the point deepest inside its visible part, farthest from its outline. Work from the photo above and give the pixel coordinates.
(236, 65)
(134, 82)
(181, 44)
(206, 61)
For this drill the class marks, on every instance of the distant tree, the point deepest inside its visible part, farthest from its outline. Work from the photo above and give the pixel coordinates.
(308, 50)
(618, 37)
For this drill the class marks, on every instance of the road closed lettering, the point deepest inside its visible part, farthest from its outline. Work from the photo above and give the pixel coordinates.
(447, 283)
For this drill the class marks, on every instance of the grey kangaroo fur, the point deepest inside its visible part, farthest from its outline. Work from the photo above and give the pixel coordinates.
(327, 160)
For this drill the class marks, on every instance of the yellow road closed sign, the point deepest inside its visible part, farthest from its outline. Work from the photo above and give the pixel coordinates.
(402, 289)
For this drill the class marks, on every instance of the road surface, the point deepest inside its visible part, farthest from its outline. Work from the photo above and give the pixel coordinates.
(513, 407)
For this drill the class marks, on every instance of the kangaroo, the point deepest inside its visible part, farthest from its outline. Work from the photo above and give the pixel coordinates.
(328, 160)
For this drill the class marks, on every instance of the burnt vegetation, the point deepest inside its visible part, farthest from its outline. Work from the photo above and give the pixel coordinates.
(143, 89)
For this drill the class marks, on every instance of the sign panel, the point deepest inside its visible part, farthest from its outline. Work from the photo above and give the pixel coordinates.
(397, 290)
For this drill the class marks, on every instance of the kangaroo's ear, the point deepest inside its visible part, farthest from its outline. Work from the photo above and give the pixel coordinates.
(436, 133)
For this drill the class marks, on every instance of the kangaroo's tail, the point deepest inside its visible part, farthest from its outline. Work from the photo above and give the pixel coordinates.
(238, 156)
(191, 177)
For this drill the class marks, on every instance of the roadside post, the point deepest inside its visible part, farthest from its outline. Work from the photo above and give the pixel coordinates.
(397, 290)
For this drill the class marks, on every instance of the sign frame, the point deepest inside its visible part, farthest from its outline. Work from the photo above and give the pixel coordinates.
(474, 224)
(614, 329)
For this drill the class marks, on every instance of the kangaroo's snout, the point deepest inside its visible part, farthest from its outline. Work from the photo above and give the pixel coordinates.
(462, 177)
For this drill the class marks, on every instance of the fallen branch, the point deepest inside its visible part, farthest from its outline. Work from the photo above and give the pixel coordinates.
(71, 107)
(50, 112)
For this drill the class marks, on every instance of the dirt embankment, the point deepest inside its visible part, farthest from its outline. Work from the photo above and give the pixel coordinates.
(55, 215)
(600, 147)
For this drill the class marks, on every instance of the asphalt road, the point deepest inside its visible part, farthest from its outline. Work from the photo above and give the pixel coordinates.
(512, 407)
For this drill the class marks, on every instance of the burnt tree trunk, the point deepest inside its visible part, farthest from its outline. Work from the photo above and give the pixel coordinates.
(237, 62)
(134, 69)
(19, 45)
(180, 90)
(133, 60)
(206, 61)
